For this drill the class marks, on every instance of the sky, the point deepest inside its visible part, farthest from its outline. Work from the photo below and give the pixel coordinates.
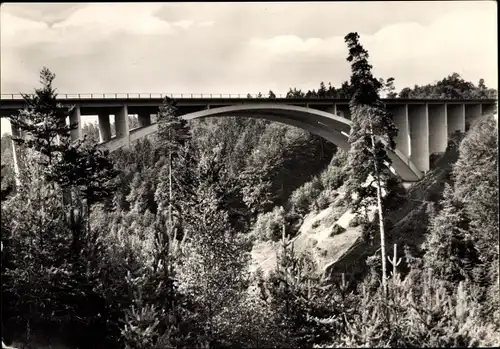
(240, 47)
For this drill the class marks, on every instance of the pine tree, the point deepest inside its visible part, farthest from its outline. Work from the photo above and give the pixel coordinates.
(476, 183)
(372, 134)
(86, 168)
(174, 137)
(42, 124)
(301, 303)
(322, 90)
(37, 280)
(450, 250)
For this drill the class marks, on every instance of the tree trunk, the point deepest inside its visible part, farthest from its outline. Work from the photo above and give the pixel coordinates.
(380, 217)
(170, 191)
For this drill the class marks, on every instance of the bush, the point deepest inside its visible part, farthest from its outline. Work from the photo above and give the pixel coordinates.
(420, 311)
(321, 252)
(269, 225)
(333, 177)
(334, 216)
(305, 196)
(356, 221)
(325, 199)
(312, 243)
(316, 224)
(336, 230)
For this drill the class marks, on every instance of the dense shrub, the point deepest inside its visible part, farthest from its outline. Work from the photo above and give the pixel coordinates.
(420, 311)
(333, 177)
(304, 197)
(325, 199)
(269, 226)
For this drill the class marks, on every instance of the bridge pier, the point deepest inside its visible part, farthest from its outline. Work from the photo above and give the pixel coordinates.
(104, 127)
(472, 113)
(122, 126)
(419, 132)
(438, 128)
(400, 119)
(332, 109)
(487, 109)
(343, 110)
(76, 118)
(144, 119)
(456, 118)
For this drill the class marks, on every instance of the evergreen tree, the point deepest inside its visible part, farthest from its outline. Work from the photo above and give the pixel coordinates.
(372, 134)
(450, 87)
(300, 302)
(214, 271)
(450, 250)
(42, 124)
(476, 183)
(86, 168)
(322, 90)
(176, 180)
(174, 137)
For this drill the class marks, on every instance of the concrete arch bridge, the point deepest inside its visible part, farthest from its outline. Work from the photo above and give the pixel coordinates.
(424, 125)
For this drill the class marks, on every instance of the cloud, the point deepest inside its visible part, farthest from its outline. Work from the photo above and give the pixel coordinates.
(242, 47)
(184, 24)
(206, 24)
(130, 18)
(465, 42)
(16, 28)
(91, 23)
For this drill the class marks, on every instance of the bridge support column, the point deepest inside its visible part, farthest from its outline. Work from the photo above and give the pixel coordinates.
(400, 118)
(438, 128)
(487, 109)
(144, 119)
(332, 109)
(104, 127)
(456, 118)
(343, 110)
(419, 133)
(75, 120)
(472, 113)
(122, 125)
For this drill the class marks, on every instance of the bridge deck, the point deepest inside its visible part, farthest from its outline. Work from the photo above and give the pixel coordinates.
(9, 102)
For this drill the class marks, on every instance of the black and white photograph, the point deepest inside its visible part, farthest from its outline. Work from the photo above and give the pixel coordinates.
(249, 174)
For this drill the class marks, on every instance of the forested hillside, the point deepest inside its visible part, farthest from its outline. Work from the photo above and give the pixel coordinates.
(152, 247)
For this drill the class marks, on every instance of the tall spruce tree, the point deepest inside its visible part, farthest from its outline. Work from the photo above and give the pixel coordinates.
(450, 250)
(174, 137)
(476, 183)
(42, 123)
(372, 134)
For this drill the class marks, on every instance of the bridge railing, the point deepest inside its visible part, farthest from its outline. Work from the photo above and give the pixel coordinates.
(100, 96)
(18, 96)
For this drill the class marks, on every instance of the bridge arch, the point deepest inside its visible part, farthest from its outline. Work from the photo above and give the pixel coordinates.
(326, 125)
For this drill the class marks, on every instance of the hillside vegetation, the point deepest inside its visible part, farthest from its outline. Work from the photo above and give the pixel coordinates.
(235, 232)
